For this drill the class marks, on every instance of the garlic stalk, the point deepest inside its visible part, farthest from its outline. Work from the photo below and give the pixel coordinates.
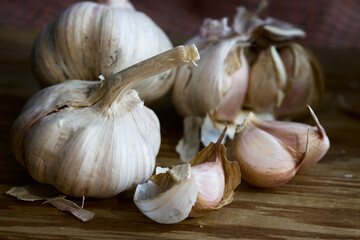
(93, 138)
(190, 190)
(271, 152)
(90, 39)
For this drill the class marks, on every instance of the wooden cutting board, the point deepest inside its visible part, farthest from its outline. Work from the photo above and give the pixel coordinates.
(322, 202)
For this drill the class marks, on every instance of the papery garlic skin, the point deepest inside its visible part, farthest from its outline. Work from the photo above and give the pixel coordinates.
(250, 27)
(90, 39)
(271, 152)
(91, 161)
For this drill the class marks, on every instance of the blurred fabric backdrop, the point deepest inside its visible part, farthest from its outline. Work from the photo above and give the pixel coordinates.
(328, 23)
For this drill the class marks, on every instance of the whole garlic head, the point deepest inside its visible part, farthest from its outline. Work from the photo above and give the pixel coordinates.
(93, 138)
(90, 39)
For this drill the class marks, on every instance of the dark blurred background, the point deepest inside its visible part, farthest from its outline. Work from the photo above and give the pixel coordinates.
(328, 23)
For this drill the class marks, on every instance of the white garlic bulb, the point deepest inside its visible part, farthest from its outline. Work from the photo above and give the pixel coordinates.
(93, 138)
(204, 184)
(90, 39)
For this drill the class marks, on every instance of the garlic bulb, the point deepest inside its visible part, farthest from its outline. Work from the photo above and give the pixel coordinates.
(192, 189)
(93, 138)
(90, 39)
(284, 80)
(222, 87)
(271, 152)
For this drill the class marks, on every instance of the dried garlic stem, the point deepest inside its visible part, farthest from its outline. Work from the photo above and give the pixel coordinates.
(126, 79)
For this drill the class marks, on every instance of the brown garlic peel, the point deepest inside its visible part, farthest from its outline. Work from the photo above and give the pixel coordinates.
(90, 39)
(93, 138)
(271, 152)
(204, 184)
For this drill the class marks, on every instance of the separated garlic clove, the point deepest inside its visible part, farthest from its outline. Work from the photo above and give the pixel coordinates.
(271, 152)
(210, 168)
(204, 184)
(93, 138)
(90, 39)
(168, 197)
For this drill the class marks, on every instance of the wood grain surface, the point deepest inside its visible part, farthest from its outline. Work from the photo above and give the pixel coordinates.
(320, 203)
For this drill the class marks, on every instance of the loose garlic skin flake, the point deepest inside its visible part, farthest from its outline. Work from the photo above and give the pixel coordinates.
(89, 39)
(94, 138)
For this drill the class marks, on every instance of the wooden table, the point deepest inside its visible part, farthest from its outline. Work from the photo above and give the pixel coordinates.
(322, 202)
